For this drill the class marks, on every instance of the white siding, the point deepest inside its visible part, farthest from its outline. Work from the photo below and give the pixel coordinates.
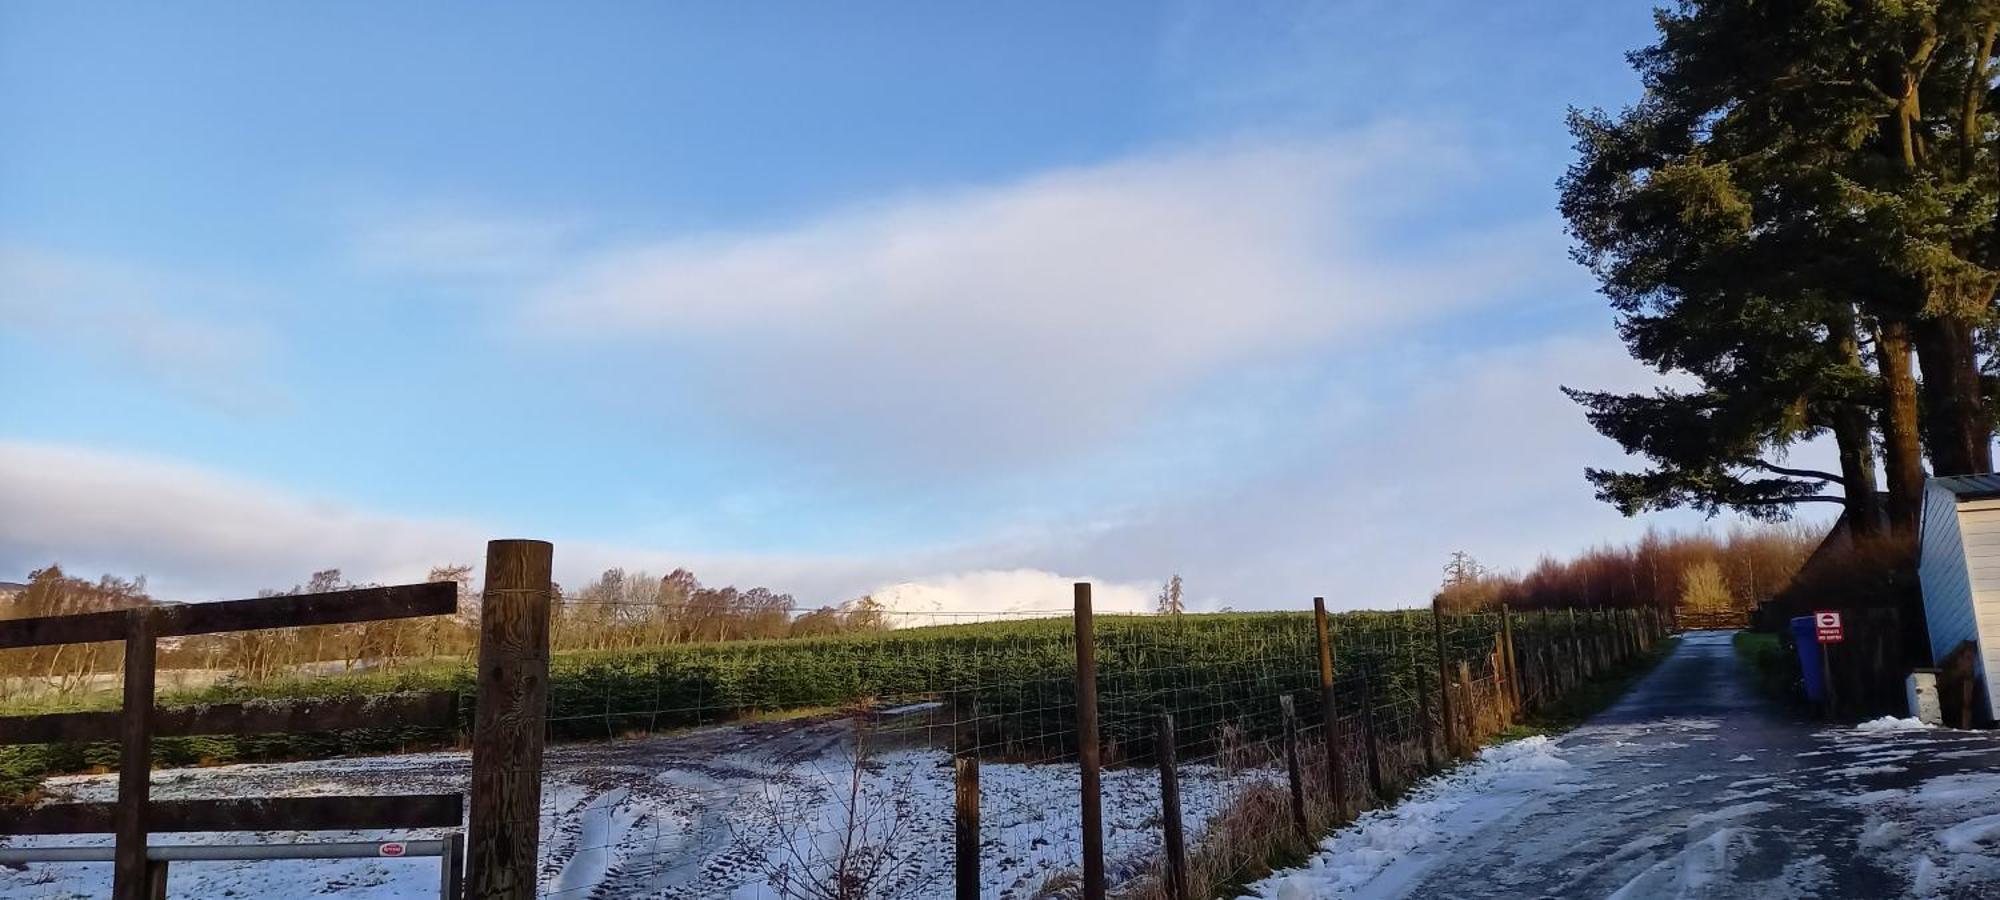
(1942, 572)
(1979, 531)
(1947, 576)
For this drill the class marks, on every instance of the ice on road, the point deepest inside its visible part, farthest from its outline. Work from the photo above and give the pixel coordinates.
(1691, 786)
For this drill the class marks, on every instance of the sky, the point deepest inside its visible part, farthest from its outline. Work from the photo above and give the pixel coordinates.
(952, 303)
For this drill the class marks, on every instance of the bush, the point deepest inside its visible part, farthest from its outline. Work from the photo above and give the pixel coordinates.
(1773, 665)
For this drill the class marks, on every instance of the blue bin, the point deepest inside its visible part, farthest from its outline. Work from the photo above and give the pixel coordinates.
(1806, 636)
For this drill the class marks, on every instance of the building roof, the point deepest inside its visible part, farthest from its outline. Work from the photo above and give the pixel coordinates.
(1970, 487)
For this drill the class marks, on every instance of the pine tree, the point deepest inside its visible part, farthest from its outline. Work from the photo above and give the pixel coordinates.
(1781, 211)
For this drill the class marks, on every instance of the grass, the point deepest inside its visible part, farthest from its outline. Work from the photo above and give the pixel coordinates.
(1774, 671)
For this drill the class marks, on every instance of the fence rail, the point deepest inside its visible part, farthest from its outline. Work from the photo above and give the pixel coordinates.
(449, 851)
(514, 675)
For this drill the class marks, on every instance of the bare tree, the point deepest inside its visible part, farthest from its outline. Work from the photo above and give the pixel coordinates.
(860, 858)
(1170, 603)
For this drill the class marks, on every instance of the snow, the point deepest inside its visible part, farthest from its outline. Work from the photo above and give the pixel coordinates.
(720, 829)
(1378, 856)
(1969, 836)
(1941, 832)
(1894, 794)
(1891, 723)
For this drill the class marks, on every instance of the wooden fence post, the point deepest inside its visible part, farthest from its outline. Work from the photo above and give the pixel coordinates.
(1087, 751)
(1376, 782)
(1547, 673)
(1170, 812)
(965, 778)
(1468, 710)
(1605, 639)
(1292, 767)
(1428, 733)
(156, 879)
(1576, 659)
(1515, 683)
(451, 877)
(965, 804)
(130, 878)
(1444, 680)
(1329, 713)
(510, 721)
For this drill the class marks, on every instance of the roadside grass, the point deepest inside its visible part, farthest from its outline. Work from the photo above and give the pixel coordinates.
(1588, 699)
(1773, 671)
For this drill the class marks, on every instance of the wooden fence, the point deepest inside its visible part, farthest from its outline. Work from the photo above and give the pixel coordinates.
(507, 740)
(1355, 765)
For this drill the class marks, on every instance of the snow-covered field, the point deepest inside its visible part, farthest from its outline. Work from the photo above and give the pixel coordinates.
(723, 813)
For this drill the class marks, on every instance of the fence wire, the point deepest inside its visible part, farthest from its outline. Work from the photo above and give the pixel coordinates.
(844, 766)
(830, 767)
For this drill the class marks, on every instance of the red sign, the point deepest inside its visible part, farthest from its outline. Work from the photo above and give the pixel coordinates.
(1827, 625)
(393, 848)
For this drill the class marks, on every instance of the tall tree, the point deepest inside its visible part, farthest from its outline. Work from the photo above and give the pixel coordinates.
(1782, 200)
(1169, 602)
(1685, 248)
(1883, 109)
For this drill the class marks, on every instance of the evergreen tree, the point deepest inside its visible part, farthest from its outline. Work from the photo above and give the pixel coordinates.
(1782, 209)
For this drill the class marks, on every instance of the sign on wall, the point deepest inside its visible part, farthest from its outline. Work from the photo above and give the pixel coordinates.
(1826, 624)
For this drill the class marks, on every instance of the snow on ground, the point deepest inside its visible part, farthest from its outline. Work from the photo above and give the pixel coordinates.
(1891, 723)
(715, 815)
(1942, 832)
(1386, 851)
(1692, 786)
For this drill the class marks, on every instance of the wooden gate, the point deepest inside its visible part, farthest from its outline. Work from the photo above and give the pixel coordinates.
(515, 607)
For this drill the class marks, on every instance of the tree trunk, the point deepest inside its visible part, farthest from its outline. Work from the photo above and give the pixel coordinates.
(1854, 437)
(1851, 435)
(1958, 429)
(1901, 453)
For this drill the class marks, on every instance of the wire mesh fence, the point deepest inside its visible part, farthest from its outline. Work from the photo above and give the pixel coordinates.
(947, 757)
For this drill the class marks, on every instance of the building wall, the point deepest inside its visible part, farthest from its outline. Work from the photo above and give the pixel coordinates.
(1942, 571)
(1979, 533)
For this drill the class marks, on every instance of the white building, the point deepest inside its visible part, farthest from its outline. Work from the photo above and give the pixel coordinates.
(1958, 564)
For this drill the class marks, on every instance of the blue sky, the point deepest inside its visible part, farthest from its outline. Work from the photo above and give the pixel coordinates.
(824, 297)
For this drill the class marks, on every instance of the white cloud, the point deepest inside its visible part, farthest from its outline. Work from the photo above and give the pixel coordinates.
(200, 535)
(1481, 454)
(1013, 593)
(161, 324)
(1478, 452)
(995, 328)
(1041, 335)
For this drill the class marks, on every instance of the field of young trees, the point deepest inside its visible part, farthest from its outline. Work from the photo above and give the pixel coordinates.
(619, 610)
(1218, 670)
